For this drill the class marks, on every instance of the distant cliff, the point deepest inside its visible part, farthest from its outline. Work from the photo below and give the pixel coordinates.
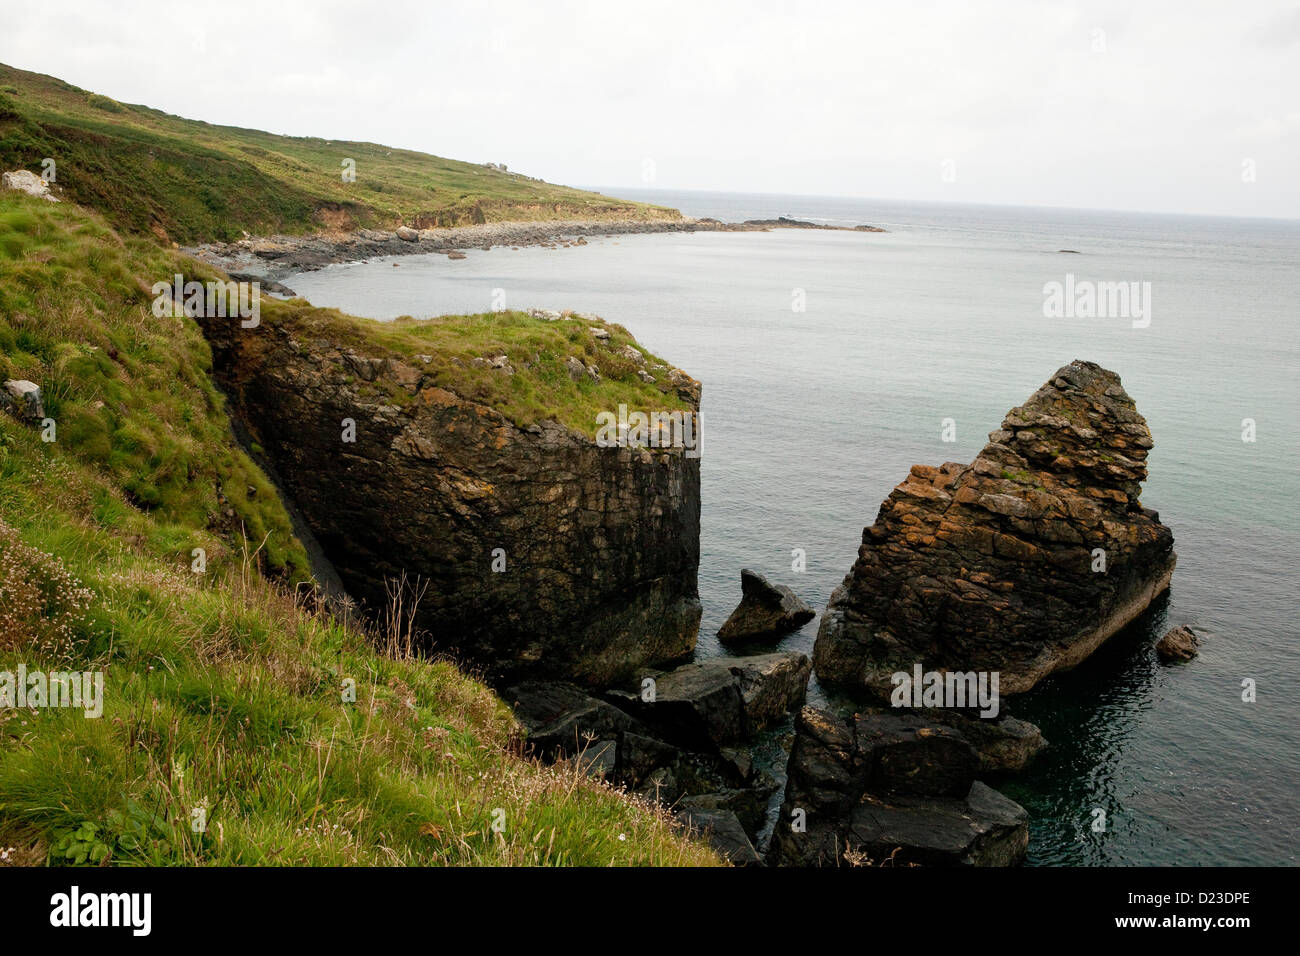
(544, 554)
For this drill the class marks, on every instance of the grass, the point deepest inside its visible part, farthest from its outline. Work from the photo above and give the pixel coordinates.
(187, 181)
(226, 691)
(540, 386)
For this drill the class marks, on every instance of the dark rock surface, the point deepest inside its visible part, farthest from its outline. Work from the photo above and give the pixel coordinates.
(601, 544)
(720, 701)
(766, 610)
(990, 566)
(561, 719)
(886, 788)
(1178, 644)
(724, 833)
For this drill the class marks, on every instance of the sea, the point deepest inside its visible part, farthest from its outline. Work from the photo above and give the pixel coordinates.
(832, 361)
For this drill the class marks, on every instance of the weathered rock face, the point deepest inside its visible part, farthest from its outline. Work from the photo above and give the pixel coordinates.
(765, 610)
(601, 545)
(884, 787)
(1022, 562)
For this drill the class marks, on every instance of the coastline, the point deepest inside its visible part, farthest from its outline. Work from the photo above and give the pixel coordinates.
(269, 259)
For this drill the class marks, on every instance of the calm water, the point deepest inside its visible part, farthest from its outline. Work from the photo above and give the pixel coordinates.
(811, 417)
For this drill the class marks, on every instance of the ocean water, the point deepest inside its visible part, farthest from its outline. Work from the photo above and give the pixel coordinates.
(811, 415)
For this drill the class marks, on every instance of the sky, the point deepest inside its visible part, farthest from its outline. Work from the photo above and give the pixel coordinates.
(1186, 106)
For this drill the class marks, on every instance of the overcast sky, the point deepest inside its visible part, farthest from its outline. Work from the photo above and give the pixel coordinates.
(1161, 106)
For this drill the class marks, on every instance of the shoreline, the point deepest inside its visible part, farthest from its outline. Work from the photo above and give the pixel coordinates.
(272, 258)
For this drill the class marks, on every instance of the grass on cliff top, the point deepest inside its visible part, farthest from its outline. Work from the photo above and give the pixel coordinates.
(223, 695)
(540, 387)
(189, 181)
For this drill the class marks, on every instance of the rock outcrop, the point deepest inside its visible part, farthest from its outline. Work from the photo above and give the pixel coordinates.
(682, 738)
(544, 555)
(765, 610)
(886, 789)
(1022, 562)
(23, 399)
(26, 181)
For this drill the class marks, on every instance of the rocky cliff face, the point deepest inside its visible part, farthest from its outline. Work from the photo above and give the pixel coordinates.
(595, 576)
(1022, 562)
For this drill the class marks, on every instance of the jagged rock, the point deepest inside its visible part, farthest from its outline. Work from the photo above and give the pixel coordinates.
(601, 545)
(1178, 644)
(771, 686)
(24, 399)
(765, 610)
(724, 833)
(989, 567)
(890, 788)
(562, 720)
(24, 180)
(407, 234)
(721, 701)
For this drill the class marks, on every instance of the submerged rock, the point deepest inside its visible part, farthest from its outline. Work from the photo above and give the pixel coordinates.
(883, 788)
(765, 610)
(1021, 563)
(1178, 644)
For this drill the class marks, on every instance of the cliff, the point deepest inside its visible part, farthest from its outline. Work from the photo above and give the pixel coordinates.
(545, 555)
(1022, 562)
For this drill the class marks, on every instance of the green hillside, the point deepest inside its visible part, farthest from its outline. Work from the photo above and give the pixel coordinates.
(188, 181)
(223, 690)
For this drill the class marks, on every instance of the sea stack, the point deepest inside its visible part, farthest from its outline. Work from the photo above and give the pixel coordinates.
(1022, 562)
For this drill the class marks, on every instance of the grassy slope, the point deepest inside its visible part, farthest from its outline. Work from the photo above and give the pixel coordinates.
(221, 690)
(190, 181)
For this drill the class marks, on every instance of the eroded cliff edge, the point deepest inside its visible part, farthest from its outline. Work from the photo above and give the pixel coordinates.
(1022, 562)
(545, 554)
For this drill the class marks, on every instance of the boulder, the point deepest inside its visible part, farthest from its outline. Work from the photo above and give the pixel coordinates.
(771, 686)
(24, 399)
(1178, 644)
(26, 181)
(721, 830)
(407, 234)
(765, 610)
(890, 788)
(1021, 563)
(562, 720)
(721, 701)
